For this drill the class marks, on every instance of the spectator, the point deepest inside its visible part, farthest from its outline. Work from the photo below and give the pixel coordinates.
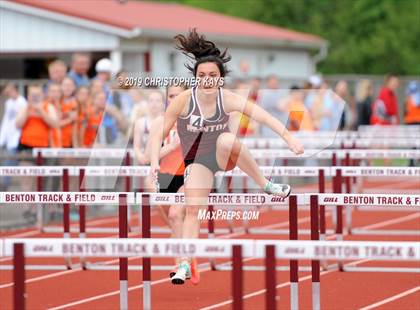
(68, 113)
(311, 90)
(96, 86)
(255, 88)
(412, 109)
(36, 119)
(103, 70)
(156, 107)
(299, 116)
(94, 115)
(412, 105)
(321, 108)
(385, 107)
(56, 72)
(269, 100)
(120, 96)
(80, 65)
(54, 98)
(364, 97)
(114, 121)
(9, 133)
(82, 102)
(240, 123)
(138, 111)
(343, 102)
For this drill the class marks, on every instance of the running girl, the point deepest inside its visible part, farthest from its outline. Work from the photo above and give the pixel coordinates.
(202, 116)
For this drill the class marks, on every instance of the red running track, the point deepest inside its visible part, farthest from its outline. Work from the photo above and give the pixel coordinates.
(76, 289)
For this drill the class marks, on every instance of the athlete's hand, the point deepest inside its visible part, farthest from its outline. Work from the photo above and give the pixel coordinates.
(295, 145)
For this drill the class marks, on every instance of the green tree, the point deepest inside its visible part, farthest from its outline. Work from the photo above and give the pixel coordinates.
(365, 36)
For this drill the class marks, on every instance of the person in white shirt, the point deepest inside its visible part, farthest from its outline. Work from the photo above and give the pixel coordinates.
(9, 133)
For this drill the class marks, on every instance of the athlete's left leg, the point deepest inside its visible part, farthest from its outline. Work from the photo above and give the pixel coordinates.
(230, 152)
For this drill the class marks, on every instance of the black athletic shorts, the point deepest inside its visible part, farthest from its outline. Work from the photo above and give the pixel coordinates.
(169, 183)
(207, 160)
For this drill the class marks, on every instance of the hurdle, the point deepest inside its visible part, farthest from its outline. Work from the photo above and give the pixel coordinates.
(334, 142)
(129, 171)
(234, 249)
(377, 172)
(94, 198)
(257, 153)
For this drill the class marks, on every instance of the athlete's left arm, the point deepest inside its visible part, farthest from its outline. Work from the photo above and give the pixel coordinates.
(233, 102)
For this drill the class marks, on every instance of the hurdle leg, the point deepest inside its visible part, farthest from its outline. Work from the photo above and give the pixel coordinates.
(147, 288)
(19, 276)
(123, 233)
(140, 189)
(294, 265)
(339, 226)
(39, 188)
(210, 234)
(349, 210)
(270, 277)
(245, 222)
(315, 265)
(127, 162)
(322, 222)
(82, 215)
(66, 214)
(237, 277)
(334, 183)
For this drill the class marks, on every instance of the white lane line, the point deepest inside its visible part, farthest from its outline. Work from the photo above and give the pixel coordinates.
(117, 292)
(306, 219)
(392, 298)
(278, 286)
(380, 224)
(393, 221)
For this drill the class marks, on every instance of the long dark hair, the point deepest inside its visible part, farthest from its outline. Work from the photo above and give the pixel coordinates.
(196, 46)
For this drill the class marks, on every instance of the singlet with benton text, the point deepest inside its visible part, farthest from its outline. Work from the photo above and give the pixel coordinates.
(197, 134)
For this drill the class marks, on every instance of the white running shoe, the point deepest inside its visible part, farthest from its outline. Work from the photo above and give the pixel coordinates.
(182, 274)
(282, 190)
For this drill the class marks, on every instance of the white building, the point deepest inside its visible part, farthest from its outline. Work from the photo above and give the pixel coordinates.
(138, 36)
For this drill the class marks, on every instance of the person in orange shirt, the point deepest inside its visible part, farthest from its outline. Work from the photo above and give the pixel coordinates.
(94, 115)
(37, 118)
(68, 113)
(54, 98)
(299, 117)
(412, 104)
(82, 106)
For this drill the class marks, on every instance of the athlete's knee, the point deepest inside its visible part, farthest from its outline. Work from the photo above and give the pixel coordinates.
(175, 216)
(192, 211)
(227, 142)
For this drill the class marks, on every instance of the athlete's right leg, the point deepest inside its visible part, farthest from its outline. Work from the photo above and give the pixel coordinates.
(176, 214)
(197, 186)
